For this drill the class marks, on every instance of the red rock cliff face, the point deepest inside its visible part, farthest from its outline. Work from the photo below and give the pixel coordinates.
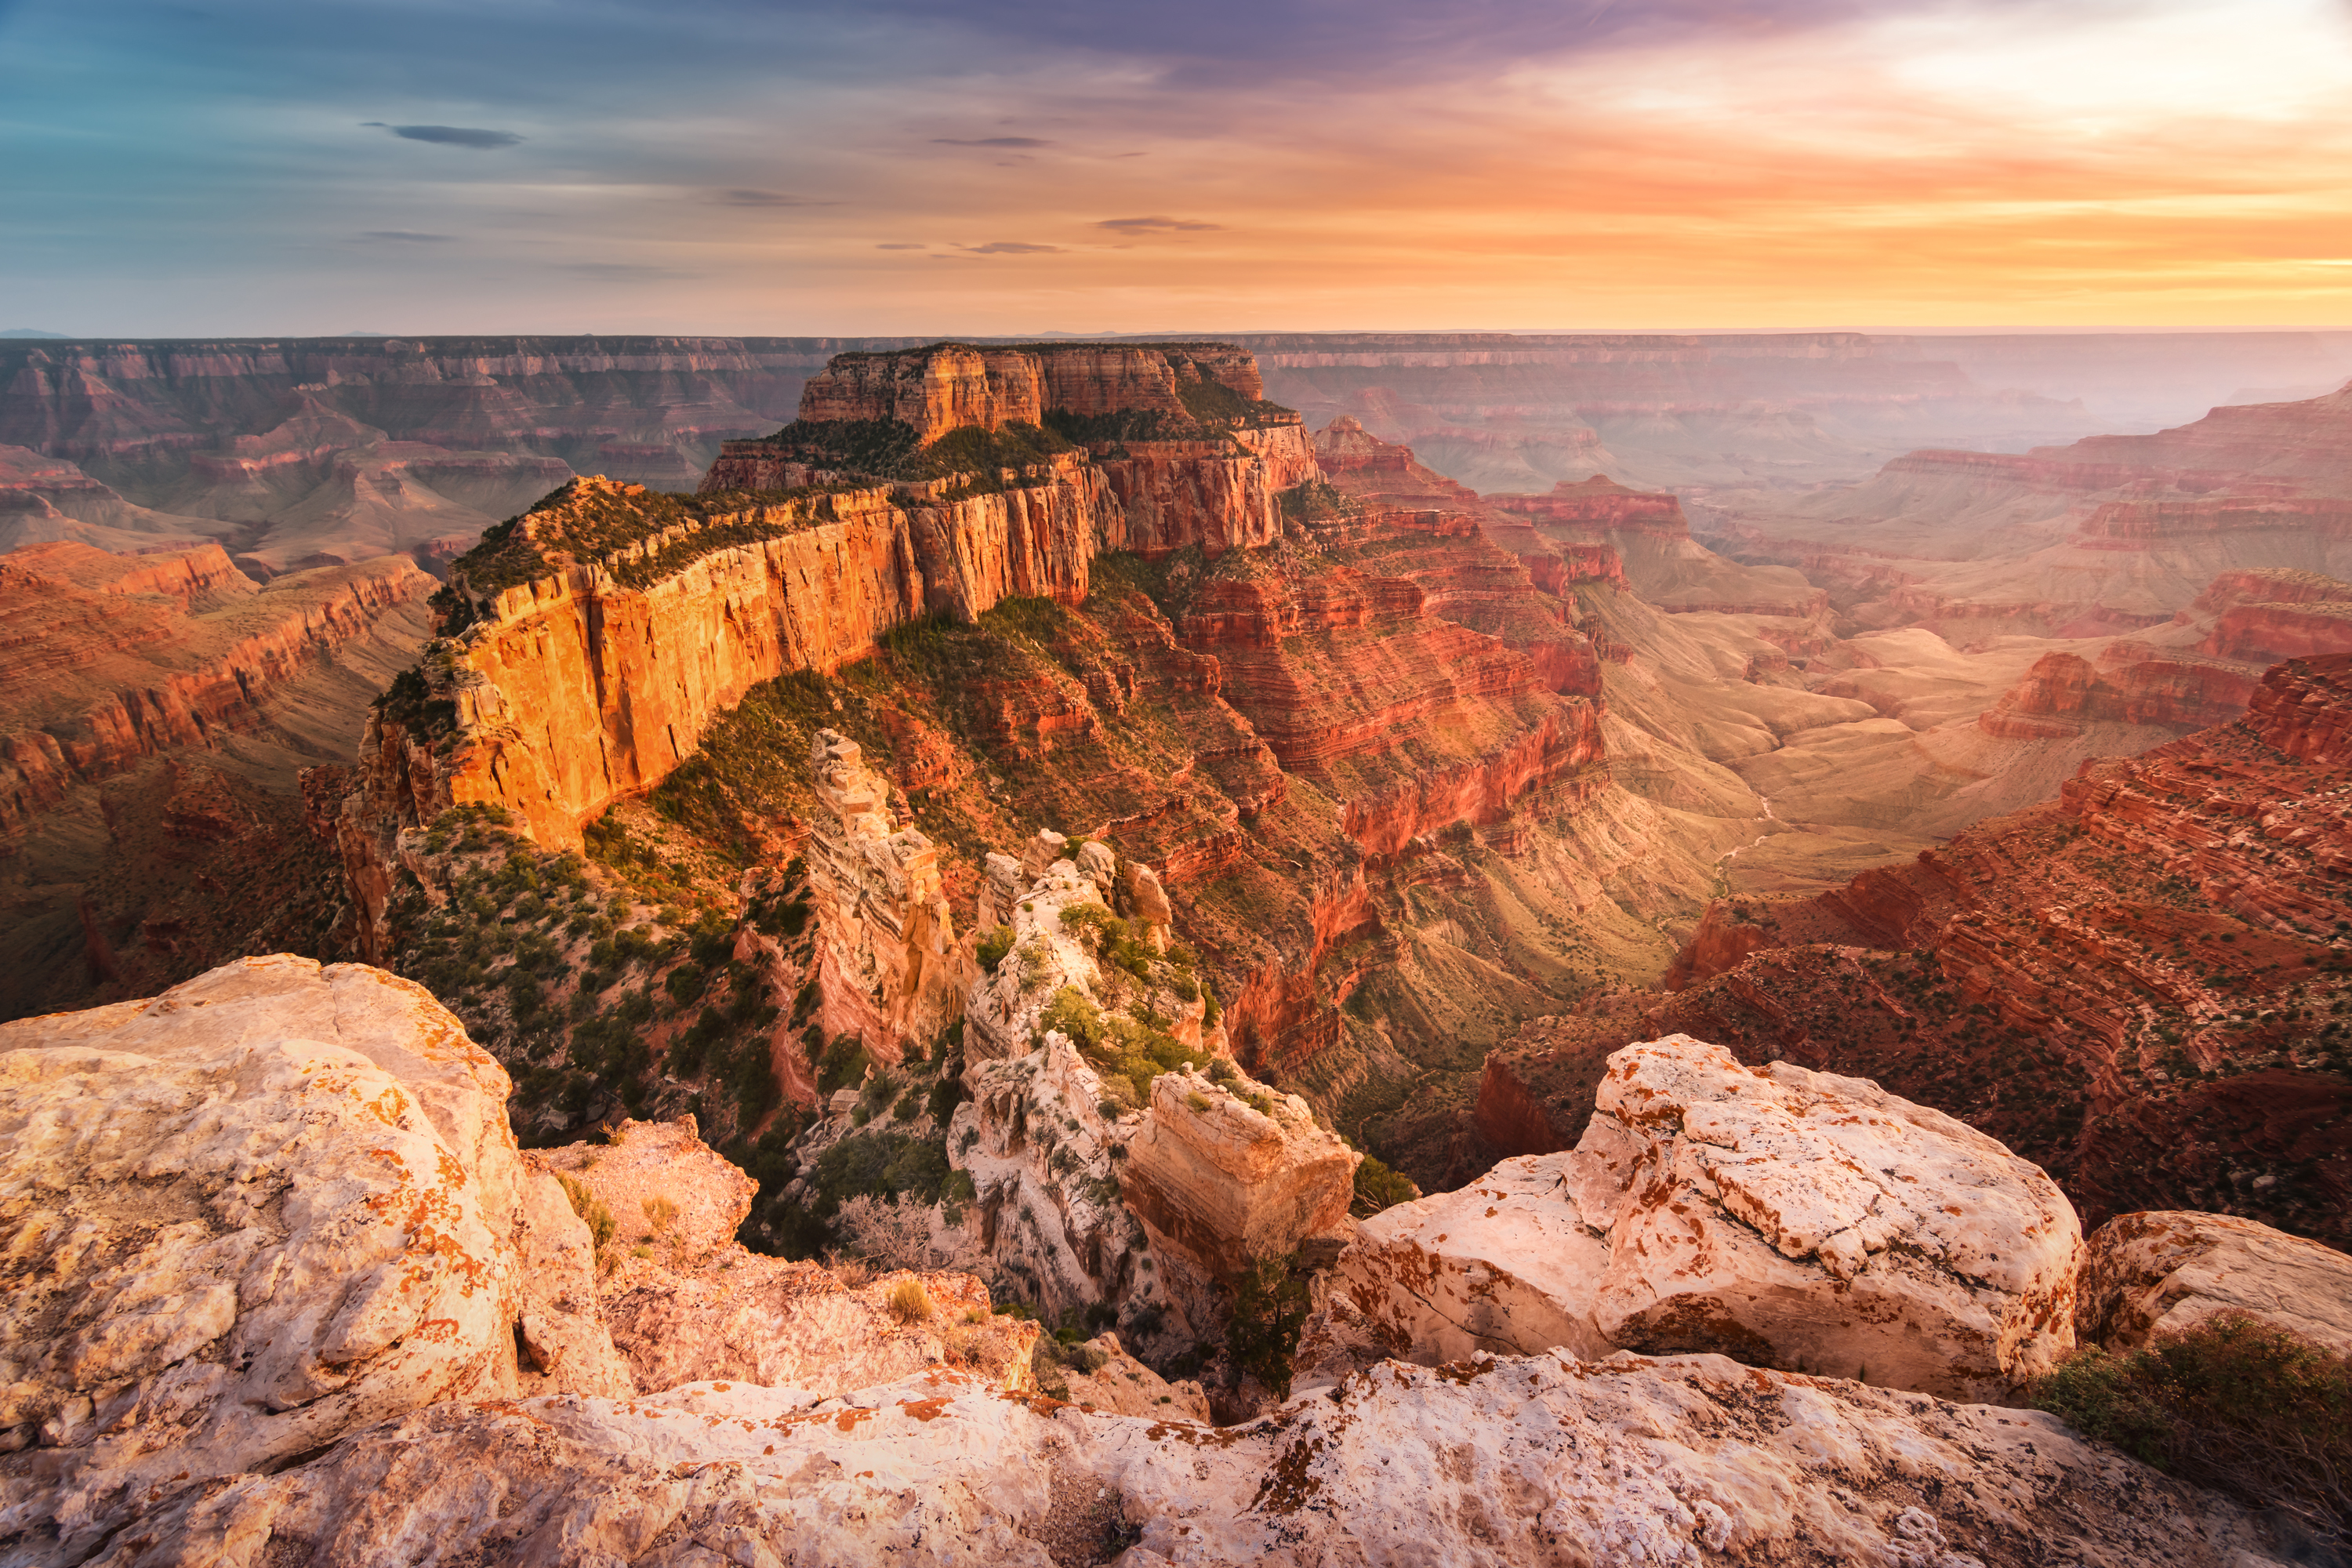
(2305, 709)
(952, 387)
(2137, 985)
(594, 680)
(637, 621)
(2131, 684)
(1599, 504)
(110, 658)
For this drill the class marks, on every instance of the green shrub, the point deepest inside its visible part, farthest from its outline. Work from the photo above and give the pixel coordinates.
(843, 1063)
(2232, 1403)
(993, 946)
(880, 1094)
(1379, 1187)
(1269, 1308)
(946, 1095)
(879, 1166)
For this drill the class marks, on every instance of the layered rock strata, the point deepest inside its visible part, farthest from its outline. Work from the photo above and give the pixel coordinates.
(1229, 1180)
(889, 968)
(1785, 1217)
(592, 642)
(954, 386)
(115, 658)
(2140, 985)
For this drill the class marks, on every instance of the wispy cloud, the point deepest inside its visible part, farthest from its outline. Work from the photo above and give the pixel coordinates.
(898, 245)
(453, 135)
(1011, 248)
(990, 142)
(1153, 225)
(619, 271)
(742, 197)
(405, 236)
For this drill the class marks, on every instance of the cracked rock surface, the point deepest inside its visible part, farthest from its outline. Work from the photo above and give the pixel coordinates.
(1520, 1460)
(246, 1217)
(1789, 1218)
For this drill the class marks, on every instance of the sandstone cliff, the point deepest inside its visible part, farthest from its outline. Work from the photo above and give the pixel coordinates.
(952, 387)
(889, 969)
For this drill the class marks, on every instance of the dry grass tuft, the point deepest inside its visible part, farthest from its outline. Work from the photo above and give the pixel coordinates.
(910, 1302)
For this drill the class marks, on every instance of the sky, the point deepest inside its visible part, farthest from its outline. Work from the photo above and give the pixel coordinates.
(981, 166)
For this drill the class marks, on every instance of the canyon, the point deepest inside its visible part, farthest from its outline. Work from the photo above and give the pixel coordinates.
(2139, 985)
(1052, 901)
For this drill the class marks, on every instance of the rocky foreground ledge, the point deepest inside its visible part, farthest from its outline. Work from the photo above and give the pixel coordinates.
(280, 1290)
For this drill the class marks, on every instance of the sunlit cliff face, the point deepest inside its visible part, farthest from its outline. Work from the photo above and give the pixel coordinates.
(917, 167)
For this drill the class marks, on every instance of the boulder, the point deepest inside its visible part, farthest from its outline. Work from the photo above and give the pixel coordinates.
(1228, 1180)
(744, 1317)
(663, 1186)
(1534, 1460)
(1100, 1375)
(2156, 1273)
(269, 1206)
(1789, 1218)
(684, 1302)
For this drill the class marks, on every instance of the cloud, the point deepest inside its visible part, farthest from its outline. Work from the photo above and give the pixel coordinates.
(898, 245)
(739, 198)
(407, 236)
(1011, 248)
(990, 142)
(1153, 225)
(453, 135)
(619, 271)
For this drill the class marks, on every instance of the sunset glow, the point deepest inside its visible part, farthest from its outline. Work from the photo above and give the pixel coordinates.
(917, 168)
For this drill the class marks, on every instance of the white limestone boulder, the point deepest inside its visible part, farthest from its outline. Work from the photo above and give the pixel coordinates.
(1788, 1218)
(249, 1216)
(2166, 1270)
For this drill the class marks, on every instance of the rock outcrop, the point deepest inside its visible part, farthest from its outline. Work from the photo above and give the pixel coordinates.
(1788, 1218)
(1041, 1144)
(888, 969)
(265, 1209)
(1229, 1180)
(2146, 1275)
(592, 642)
(954, 386)
(2130, 683)
(1511, 1460)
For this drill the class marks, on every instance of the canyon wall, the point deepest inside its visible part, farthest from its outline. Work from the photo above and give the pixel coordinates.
(959, 386)
(110, 659)
(594, 639)
(2141, 985)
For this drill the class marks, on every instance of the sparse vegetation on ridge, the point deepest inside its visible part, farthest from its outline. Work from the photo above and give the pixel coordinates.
(2232, 1403)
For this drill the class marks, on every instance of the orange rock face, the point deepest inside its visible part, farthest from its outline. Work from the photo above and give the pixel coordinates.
(954, 385)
